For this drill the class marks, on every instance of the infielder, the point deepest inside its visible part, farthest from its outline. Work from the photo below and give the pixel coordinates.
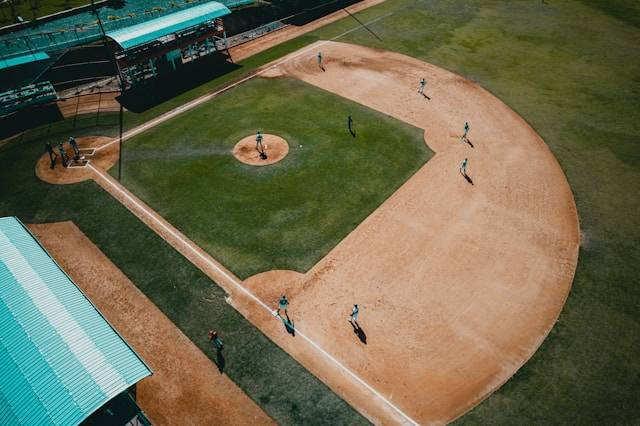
(354, 313)
(466, 132)
(423, 84)
(463, 166)
(319, 58)
(283, 303)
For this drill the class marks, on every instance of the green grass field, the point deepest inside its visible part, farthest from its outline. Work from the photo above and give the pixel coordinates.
(287, 215)
(572, 70)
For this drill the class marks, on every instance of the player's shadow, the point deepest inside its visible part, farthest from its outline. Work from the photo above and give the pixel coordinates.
(322, 68)
(220, 361)
(289, 326)
(466, 176)
(469, 142)
(352, 132)
(425, 96)
(359, 331)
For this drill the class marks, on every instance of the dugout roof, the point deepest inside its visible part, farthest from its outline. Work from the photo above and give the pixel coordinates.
(145, 32)
(60, 360)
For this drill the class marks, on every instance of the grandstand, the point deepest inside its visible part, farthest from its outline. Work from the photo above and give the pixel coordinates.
(148, 38)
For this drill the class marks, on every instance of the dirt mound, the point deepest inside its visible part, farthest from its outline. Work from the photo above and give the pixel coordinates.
(104, 159)
(275, 148)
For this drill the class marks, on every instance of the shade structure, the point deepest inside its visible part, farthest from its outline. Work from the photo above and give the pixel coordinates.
(145, 32)
(60, 360)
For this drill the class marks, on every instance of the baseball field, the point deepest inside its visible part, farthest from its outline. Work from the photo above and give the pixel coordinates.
(505, 293)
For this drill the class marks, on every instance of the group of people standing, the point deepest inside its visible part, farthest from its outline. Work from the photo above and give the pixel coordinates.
(53, 156)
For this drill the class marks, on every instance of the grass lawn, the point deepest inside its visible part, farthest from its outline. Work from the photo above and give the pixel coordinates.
(570, 68)
(287, 215)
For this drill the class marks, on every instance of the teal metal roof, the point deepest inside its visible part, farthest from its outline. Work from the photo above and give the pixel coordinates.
(24, 59)
(148, 31)
(60, 360)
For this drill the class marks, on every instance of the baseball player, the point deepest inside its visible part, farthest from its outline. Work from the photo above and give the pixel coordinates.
(466, 132)
(350, 125)
(319, 58)
(76, 150)
(423, 84)
(463, 166)
(283, 303)
(213, 337)
(52, 155)
(63, 154)
(354, 313)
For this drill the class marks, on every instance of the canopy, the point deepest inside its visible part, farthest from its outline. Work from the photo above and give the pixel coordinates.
(145, 32)
(60, 360)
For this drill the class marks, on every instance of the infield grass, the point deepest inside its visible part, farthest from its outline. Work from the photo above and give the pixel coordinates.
(287, 215)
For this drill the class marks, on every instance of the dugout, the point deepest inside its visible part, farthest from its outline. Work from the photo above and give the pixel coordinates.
(151, 49)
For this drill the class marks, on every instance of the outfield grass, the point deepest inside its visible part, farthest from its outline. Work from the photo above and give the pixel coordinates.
(571, 69)
(287, 215)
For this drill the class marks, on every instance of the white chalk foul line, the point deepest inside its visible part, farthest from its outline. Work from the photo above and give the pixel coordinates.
(198, 101)
(191, 246)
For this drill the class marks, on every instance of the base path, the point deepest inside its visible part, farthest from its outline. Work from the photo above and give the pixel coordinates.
(458, 283)
(186, 387)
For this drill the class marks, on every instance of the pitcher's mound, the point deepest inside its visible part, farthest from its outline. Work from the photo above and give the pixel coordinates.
(275, 147)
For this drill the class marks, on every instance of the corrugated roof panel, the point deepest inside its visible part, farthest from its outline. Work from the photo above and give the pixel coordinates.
(61, 360)
(145, 32)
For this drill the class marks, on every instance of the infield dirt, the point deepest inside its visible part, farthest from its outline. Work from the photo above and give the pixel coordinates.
(458, 282)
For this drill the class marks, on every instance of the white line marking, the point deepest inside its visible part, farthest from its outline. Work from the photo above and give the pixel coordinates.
(191, 246)
(194, 103)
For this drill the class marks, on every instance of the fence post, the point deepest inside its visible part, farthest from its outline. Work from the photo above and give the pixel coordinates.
(99, 102)
(75, 117)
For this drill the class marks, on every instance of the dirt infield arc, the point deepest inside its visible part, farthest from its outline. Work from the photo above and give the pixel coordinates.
(458, 283)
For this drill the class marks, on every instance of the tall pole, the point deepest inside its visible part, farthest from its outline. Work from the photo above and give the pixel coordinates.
(95, 12)
(120, 148)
